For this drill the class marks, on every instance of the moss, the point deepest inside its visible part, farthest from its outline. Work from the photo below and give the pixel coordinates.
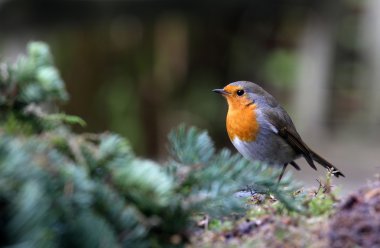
(267, 223)
(321, 204)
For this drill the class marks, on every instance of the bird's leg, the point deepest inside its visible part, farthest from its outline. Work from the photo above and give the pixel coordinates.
(296, 166)
(282, 172)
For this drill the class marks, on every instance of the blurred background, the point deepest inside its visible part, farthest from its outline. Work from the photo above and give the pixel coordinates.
(141, 67)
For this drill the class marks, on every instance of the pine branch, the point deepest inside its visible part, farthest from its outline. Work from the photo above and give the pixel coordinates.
(218, 176)
(58, 188)
(28, 87)
(191, 146)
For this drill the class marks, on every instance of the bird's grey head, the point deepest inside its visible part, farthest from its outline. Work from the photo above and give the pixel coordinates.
(255, 93)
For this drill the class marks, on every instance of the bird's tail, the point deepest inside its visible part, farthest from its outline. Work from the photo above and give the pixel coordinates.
(336, 172)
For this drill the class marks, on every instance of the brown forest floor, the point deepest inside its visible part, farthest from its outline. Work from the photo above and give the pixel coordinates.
(353, 221)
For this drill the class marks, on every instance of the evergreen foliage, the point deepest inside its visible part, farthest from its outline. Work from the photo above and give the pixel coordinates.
(61, 189)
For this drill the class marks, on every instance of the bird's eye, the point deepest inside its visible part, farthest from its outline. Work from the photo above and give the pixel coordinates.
(240, 92)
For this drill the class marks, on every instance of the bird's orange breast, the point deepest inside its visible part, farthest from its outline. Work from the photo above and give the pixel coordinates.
(242, 121)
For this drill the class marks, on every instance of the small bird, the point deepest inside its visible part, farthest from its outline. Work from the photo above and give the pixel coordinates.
(261, 129)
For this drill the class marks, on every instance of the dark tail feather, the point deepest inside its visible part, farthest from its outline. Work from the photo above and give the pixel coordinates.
(295, 141)
(325, 164)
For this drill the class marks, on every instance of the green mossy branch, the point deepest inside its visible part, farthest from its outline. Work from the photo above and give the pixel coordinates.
(58, 188)
(216, 176)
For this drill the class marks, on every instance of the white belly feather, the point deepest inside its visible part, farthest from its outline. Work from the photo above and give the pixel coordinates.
(268, 147)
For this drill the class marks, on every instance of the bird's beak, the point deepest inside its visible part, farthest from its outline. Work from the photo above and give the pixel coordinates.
(221, 91)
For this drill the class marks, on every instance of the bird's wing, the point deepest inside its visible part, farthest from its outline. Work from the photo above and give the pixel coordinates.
(297, 144)
(285, 128)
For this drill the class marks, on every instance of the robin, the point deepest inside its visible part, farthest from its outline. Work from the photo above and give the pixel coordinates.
(261, 129)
